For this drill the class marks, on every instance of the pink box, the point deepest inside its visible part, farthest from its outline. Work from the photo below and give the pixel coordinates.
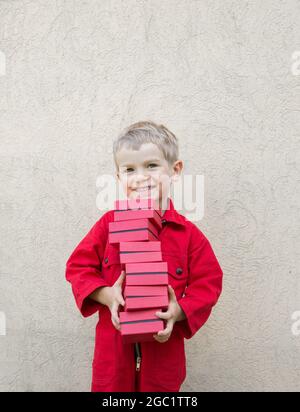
(148, 290)
(130, 257)
(135, 280)
(153, 273)
(152, 214)
(132, 230)
(140, 325)
(135, 252)
(140, 246)
(146, 302)
(140, 203)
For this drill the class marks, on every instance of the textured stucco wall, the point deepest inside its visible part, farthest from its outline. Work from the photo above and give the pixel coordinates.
(218, 73)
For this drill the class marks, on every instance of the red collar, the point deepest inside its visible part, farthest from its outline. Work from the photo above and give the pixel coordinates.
(171, 215)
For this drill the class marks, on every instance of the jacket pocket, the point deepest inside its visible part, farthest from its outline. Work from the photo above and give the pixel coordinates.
(177, 265)
(111, 265)
(111, 255)
(177, 272)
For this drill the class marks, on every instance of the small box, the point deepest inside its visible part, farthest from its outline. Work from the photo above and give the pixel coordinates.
(153, 273)
(140, 246)
(152, 214)
(139, 203)
(140, 326)
(131, 257)
(136, 280)
(132, 230)
(148, 290)
(146, 302)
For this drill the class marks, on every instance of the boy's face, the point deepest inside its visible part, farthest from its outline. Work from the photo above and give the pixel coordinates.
(145, 173)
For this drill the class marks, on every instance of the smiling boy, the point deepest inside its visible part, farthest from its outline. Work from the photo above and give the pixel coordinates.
(147, 161)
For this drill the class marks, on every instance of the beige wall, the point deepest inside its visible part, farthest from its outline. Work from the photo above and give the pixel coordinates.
(219, 74)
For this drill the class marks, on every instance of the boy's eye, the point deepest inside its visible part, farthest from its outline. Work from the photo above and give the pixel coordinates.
(130, 169)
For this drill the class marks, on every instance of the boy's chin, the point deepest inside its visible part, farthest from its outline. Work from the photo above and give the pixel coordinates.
(149, 195)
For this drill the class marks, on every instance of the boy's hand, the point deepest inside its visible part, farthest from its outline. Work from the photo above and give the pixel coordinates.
(116, 299)
(111, 296)
(172, 315)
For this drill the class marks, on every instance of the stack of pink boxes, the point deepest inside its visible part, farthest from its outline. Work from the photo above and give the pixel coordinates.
(136, 228)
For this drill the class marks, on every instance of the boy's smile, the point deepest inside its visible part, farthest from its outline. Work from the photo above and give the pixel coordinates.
(146, 173)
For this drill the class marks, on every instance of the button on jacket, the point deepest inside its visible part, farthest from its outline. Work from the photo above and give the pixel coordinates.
(196, 277)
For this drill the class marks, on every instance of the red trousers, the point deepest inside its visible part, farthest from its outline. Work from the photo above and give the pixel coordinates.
(162, 367)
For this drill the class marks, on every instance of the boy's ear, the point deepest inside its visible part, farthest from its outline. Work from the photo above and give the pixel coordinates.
(177, 169)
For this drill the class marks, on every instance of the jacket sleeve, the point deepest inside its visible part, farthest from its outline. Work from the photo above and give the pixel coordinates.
(204, 284)
(83, 267)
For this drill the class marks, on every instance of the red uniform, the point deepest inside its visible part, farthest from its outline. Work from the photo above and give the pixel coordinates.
(194, 274)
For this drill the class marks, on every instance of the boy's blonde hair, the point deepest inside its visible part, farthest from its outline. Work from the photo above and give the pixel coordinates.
(138, 133)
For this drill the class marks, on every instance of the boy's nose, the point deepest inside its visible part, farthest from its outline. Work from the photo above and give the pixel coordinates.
(141, 179)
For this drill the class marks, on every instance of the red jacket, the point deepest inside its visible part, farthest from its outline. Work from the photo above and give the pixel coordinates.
(194, 274)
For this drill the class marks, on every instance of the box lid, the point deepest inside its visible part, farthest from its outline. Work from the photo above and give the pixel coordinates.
(138, 315)
(139, 203)
(131, 225)
(150, 246)
(146, 267)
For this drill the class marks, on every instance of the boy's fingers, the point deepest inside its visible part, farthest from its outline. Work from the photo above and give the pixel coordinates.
(115, 321)
(163, 315)
(120, 279)
(116, 325)
(171, 293)
(167, 330)
(161, 339)
(121, 300)
(114, 315)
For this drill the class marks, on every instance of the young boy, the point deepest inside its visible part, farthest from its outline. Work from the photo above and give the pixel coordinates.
(146, 160)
